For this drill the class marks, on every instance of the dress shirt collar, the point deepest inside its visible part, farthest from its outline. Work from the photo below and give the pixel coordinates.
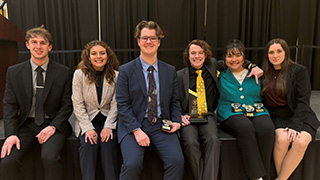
(34, 65)
(145, 65)
(192, 70)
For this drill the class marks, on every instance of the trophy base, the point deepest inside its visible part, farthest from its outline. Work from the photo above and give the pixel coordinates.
(167, 128)
(197, 120)
(259, 110)
(249, 114)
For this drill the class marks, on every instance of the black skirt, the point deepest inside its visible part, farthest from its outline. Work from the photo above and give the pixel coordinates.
(281, 117)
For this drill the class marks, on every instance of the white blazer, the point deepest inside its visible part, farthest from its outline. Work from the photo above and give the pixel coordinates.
(86, 106)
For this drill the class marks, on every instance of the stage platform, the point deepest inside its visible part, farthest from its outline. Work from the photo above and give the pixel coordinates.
(231, 167)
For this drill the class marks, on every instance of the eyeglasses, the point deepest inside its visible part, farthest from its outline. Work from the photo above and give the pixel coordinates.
(145, 39)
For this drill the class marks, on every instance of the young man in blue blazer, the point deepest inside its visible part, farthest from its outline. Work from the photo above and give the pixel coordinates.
(140, 121)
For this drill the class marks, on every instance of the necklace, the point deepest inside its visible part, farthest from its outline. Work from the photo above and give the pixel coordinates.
(275, 74)
(240, 76)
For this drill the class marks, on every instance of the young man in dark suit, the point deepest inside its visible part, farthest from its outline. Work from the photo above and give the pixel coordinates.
(201, 145)
(36, 108)
(146, 94)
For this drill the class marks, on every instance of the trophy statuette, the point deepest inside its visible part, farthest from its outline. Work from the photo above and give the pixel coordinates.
(259, 107)
(249, 111)
(195, 116)
(166, 124)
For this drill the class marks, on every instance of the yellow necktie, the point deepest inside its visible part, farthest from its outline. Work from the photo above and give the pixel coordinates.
(201, 91)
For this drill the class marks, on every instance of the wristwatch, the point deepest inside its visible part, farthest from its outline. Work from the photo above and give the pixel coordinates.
(253, 66)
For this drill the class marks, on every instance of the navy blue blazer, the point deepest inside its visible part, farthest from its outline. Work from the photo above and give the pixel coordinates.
(131, 95)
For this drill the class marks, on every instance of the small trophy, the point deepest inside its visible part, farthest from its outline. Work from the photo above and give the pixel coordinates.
(258, 107)
(195, 117)
(166, 124)
(249, 111)
(236, 107)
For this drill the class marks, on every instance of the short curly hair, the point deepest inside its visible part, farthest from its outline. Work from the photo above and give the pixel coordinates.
(203, 44)
(148, 25)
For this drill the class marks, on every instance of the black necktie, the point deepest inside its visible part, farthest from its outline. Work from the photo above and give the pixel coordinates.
(39, 115)
(152, 98)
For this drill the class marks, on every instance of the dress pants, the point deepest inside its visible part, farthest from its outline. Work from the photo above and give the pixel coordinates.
(50, 152)
(255, 138)
(109, 153)
(201, 147)
(166, 145)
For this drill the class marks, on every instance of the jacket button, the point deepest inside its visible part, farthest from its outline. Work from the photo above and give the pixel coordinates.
(240, 89)
(241, 97)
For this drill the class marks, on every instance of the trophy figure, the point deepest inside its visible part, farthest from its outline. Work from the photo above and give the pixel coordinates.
(259, 107)
(236, 107)
(249, 111)
(195, 116)
(166, 124)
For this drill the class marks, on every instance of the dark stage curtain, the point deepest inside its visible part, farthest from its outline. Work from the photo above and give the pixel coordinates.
(119, 19)
(73, 23)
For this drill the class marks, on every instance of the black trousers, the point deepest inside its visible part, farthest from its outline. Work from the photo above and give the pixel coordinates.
(255, 138)
(50, 152)
(201, 147)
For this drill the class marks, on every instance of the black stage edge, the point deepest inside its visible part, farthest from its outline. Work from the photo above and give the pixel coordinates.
(231, 167)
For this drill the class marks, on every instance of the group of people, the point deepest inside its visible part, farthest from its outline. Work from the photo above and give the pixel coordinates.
(146, 103)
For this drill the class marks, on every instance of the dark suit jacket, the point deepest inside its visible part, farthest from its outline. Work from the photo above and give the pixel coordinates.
(131, 95)
(298, 97)
(183, 79)
(19, 91)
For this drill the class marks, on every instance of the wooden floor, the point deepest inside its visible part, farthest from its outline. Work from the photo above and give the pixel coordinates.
(230, 160)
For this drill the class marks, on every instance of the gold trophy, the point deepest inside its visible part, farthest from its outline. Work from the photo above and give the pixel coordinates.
(236, 107)
(249, 111)
(259, 107)
(195, 117)
(166, 124)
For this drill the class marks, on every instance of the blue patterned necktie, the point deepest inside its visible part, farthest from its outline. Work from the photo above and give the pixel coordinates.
(152, 98)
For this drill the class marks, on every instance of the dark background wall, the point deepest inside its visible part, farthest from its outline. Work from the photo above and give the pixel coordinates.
(73, 23)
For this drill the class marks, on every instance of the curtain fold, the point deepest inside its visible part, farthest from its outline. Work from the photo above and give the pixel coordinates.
(73, 23)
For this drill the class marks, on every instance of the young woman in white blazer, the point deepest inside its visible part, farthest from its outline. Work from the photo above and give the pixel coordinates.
(95, 107)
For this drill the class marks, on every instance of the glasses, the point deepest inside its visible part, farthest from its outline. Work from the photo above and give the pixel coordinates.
(152, 39)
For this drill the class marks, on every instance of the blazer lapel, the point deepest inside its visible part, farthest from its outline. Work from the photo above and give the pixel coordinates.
(213, 72)
(162, 79)
(230, 77)
(50, 75)
(105, 92)
(27, 80)
(186, 82)
(140, 77)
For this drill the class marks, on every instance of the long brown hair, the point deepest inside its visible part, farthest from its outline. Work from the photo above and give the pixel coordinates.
(268, 68)
(86, 66)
